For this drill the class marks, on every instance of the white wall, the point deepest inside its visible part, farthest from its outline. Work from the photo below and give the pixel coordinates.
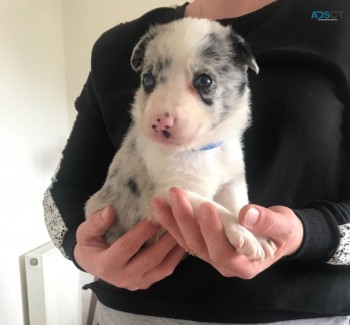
(33, 128)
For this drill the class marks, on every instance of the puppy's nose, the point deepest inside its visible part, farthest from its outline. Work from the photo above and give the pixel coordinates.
(163, 123)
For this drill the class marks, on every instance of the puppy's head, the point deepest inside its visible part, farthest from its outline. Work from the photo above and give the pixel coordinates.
(194, 88)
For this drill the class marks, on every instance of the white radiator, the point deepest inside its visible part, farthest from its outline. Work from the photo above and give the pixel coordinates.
(54, 288)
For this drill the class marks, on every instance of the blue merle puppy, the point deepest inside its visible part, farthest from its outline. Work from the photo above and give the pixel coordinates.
(188, 118)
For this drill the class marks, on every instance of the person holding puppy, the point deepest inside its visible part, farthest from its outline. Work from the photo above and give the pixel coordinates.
(297, 154)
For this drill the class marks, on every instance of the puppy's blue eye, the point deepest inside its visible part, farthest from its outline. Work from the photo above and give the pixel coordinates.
(203, 81)
(148, 82)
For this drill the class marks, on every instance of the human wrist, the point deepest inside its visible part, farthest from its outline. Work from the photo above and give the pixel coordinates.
(297, 240)
(320, 237)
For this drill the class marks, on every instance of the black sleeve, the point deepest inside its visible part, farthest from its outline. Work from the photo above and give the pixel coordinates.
(327, 224)
(81, 172)
(326, 233)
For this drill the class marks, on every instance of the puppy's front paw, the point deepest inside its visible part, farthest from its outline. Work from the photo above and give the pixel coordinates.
(268, 246)
(246, 243)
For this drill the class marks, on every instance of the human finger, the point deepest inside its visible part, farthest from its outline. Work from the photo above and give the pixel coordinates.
(125, 247)
(186, 221)
(153, 254)
(165, 217)
(157, 260)
(217, 245)
(167, 266)
(261, 220)
(278, 223)
(96, 225)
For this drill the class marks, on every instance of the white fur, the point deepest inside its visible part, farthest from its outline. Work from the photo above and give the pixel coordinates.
(149, 163)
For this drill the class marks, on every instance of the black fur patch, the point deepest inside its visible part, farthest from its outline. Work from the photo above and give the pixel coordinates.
(244, 56)
(241, 87)
(224, 68)
(213, 49)
(133, 187)
(161, 69)
(162, 78)
(163, 64)
(166, 134)
(132, 145)
(137, 59)
(114, 173)
(106, 192)
(206, 101)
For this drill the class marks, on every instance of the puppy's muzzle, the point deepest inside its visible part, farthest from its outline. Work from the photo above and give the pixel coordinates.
(163, 123)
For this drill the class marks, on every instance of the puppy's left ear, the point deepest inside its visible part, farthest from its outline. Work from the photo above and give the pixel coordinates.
(138, 53)
(243, 52)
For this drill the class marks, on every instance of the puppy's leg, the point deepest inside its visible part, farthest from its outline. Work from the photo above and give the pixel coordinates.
(233, 196)
(241, 238)
(122, 191)
(95, 203)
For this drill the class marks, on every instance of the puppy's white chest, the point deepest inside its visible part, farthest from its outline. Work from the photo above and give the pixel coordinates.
(201, 171)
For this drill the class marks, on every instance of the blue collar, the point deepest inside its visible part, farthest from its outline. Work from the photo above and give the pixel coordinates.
(210, 146)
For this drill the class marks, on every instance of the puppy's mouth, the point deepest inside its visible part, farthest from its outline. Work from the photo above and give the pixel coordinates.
(165, 133)
(172, 140)
(164, 137)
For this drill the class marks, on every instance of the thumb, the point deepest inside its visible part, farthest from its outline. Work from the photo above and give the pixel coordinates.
(97, 224)
(259, 220)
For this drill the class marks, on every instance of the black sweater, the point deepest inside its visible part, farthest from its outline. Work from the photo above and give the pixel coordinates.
(297, 154)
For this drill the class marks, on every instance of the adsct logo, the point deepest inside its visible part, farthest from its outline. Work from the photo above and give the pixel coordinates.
(326, 15)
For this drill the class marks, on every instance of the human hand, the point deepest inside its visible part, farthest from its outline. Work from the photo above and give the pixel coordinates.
(126, 263)
(205, 235)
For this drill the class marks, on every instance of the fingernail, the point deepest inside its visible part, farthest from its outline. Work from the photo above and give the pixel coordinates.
(205, 213)
(154, 222)
(157, 214)
(153, 218)
(155, 208)
(173, 198)
(251, 217)
(104, 213)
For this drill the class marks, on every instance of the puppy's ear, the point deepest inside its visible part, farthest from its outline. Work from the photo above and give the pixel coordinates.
(243, 52)
(139, 50)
